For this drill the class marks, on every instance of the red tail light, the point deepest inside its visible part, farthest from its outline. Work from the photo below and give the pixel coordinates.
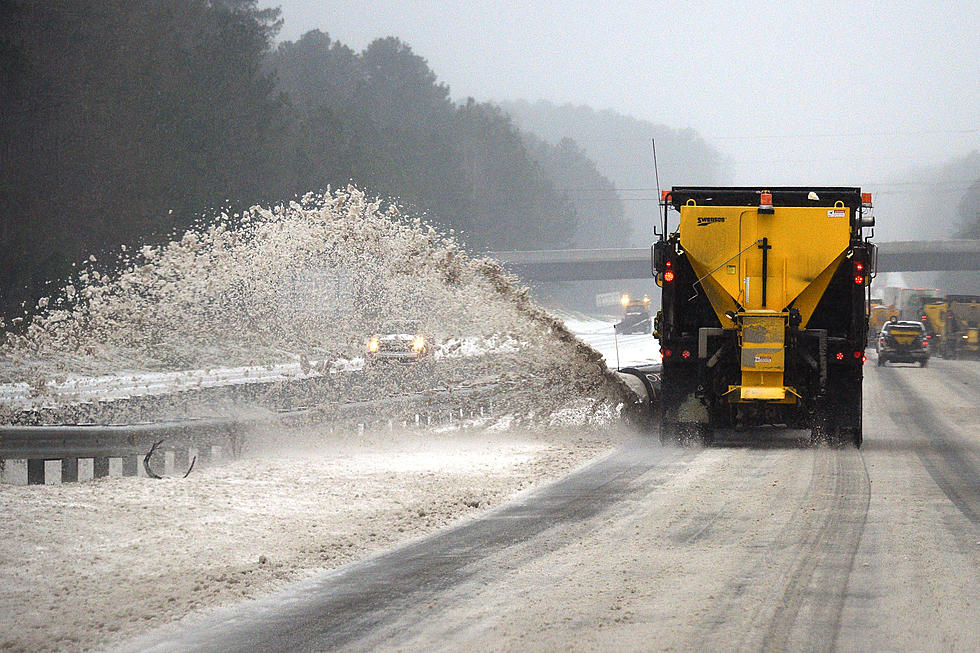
(925, 344)
(864, 359)
(858, 354)
(859, 279)
(686, 354)
(840, 355)
(669, 276)
(668, 353)
(858, 266)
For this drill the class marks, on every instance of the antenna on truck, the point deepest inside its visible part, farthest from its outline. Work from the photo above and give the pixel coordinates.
(656, 173)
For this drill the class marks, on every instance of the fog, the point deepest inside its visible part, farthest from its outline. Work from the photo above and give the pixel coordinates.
(826, 93)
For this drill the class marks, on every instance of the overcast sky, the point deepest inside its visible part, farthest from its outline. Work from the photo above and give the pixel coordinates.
(820, 93)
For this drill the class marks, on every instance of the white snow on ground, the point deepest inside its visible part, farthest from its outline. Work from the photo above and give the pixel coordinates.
(74, 389)
(78, 389)
(634, 349)
(238, 300)
(87, 564)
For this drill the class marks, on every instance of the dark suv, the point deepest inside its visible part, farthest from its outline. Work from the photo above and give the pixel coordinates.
(903, 342)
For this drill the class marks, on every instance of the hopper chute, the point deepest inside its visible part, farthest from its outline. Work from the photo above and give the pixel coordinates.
(747, 260)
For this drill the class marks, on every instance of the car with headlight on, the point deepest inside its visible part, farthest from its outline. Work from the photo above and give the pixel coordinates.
(402, 342)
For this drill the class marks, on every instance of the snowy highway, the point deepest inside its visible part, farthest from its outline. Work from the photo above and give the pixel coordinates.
(761, 542)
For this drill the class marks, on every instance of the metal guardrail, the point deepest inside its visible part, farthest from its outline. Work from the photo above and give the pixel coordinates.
(69, 443)
(201, 438)
(93, 441)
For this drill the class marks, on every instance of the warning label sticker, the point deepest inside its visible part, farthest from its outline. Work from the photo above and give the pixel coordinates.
(763, 358)
(837, 213)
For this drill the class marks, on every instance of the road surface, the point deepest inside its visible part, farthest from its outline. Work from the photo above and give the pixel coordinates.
(758, 543)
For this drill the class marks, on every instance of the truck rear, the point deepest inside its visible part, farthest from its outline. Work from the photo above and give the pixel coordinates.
(764, 315)
(956, 322)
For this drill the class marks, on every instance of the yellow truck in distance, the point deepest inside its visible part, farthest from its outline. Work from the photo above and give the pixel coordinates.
(954, 324)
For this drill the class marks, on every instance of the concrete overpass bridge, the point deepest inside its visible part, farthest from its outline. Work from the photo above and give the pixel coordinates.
(634, 263)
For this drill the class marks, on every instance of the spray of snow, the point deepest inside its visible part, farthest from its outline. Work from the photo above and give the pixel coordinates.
(304, 281)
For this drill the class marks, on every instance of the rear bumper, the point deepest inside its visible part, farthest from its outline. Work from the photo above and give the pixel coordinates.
(395, 357)
(906, 355)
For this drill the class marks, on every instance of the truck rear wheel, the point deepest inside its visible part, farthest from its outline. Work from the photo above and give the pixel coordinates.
(685, 433)
(854, 436)
(837, 421)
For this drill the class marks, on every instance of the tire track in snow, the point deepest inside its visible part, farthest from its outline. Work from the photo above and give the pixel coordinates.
(943, 457)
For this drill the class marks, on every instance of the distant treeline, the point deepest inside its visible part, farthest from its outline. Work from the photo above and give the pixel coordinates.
(125, 121)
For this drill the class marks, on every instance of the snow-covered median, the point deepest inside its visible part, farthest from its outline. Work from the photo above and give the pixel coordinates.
(91, 563)
(75, 389)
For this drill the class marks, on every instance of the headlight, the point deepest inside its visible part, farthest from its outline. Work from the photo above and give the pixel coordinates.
(373, 345)
(418, 343)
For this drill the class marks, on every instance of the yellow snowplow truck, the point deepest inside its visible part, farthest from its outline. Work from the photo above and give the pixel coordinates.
(954, 323)
(764, 315)
(878, 315)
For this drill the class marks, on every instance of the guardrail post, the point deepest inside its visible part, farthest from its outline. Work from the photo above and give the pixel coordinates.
(129, 465)
(100, 467)
(35, 471)
(69, 470)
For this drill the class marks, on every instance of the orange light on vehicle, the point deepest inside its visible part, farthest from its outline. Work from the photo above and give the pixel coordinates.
(866, 199)
(765, 202)
(664, 194)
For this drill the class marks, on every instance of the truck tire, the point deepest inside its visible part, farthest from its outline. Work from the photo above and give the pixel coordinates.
(705, 435)
(837, 420)
(670, 433)
(851, 436)
(685, 434)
